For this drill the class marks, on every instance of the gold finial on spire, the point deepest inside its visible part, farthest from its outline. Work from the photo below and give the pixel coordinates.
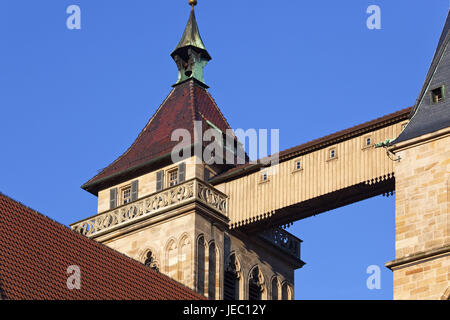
(193, 2)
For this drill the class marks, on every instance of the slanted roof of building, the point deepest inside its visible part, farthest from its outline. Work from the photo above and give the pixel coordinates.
(428, 117)
(36, 252)
(187, 102)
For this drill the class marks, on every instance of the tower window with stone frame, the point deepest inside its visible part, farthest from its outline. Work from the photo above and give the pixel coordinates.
(172, 177)
(126, 195)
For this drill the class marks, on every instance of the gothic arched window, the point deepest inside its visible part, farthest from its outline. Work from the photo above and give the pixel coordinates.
(212, 271)
(150, 261)
(172, 260)
(255, 285)
(275, 288)
(231, 279)
(201, 265)
(286, 293)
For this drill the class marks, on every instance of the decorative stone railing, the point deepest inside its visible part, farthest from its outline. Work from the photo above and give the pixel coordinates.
(192, 190)
(283, 240)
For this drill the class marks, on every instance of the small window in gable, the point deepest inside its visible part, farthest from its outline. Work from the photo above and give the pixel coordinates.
(264, 177)
(298, 164)
(437, 95)
(332, 154)
(367, 142)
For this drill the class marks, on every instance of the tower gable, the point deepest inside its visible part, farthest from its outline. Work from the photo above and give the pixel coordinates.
(432, 111)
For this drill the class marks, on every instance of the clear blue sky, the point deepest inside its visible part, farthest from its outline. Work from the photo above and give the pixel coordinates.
(72, 101)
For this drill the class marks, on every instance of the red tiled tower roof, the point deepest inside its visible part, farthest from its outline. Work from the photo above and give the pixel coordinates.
(36, 252)
(187, 102)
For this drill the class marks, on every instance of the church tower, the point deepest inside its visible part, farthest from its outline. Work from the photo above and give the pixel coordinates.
(422, 183)
(156, 202)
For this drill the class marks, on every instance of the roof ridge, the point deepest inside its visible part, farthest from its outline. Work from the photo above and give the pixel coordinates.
(353, 129)
(192, 100)
(319, 143)
(217, 108)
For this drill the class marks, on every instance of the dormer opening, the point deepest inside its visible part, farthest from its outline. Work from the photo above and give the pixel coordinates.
(437, 95)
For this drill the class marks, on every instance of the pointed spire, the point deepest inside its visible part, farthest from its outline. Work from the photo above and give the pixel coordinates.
(190, 54)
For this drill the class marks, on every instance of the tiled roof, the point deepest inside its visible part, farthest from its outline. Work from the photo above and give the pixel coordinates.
(36, 251)
(187, 102)
(349, 133)
(316, 144)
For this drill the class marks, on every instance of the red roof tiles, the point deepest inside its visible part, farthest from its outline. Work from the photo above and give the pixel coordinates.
(36, 251)
(187, 102)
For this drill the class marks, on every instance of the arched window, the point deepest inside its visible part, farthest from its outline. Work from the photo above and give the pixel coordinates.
(212, 271)
(275, 288)
(172, 260)
(286, 292)
(184, 261)
(150, 261)
(231, 279)
(201, 265)
(255, 285)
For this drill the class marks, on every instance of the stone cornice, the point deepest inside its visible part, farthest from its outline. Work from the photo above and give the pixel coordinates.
(418, 257)
(419, 140)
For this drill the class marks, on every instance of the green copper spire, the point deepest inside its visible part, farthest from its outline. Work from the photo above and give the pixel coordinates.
(190, 55)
